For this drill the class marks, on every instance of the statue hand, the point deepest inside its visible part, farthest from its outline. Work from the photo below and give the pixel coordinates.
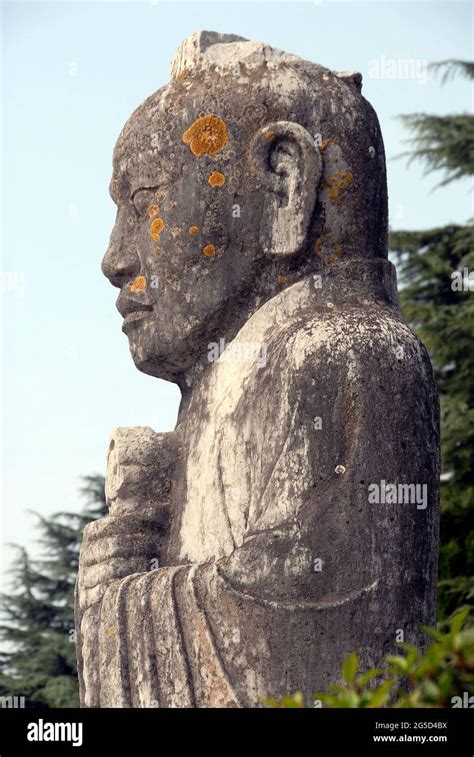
(140, 466)
(118, 546)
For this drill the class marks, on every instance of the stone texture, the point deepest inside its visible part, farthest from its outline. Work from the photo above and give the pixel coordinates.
(243, 557)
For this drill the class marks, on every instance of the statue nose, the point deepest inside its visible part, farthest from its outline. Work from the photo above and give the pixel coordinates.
(120, 263)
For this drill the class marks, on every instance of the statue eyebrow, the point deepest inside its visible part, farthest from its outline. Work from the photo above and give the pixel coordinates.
(149, 188)
(144, 189)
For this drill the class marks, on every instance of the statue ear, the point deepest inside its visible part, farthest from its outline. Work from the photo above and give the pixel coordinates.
(288, 163)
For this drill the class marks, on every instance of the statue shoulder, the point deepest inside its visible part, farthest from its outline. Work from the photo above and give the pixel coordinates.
(336, 337)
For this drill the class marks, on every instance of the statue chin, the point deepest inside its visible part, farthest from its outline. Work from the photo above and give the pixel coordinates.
(156, 358)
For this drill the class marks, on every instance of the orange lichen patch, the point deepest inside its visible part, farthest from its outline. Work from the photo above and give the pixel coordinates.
(193, 230)
(158, 250)
(209, 250)
(337, 249)
(337, 184)
(183, 74)
(153, 210)
(138, 285)
(216, 179)
(206, 136)
(320, 242)
(156, 228)
(111, 631)
(324, 144)
(281, 279)
(268, 134)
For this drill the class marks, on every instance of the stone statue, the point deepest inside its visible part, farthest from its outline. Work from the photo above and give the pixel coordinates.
(291, 516)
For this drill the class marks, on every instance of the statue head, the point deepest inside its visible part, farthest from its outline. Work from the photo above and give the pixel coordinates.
(250, 170)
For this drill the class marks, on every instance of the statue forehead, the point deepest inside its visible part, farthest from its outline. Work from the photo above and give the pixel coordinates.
(150, 143)
(145, 122)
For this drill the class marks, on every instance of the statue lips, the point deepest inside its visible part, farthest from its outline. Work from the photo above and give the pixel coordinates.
(132, 310)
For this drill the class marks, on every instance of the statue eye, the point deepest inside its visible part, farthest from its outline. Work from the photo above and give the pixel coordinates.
(142, 199)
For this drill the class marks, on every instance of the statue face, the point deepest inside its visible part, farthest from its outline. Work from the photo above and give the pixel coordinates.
(180, 250)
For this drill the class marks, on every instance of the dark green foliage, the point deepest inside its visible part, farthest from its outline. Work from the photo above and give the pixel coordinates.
(443, 317)
(444, 142)
(452, 67)
(37, 615)
(444, 320)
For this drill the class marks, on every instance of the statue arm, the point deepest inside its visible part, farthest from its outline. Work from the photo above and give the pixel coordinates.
(353, 417)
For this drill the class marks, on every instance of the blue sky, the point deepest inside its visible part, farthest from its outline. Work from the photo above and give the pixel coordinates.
(71, 75)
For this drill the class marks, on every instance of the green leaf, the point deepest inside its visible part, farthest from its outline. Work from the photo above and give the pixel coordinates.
(381, 694)
(363, 679)
(458, 620)
(350, 667)
(399, 663)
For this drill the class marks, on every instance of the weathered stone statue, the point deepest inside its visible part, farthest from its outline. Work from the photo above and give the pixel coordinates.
(291, 516)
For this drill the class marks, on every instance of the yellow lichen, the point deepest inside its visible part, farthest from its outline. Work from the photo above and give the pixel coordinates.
(193, 230)
(206, 136)
(281, 279)
(153, 210)
(138, 285)
(156, 228)
(321, 242)
(111, 631)
(209, 250)
(337, 184)
(216, 179)
(318, 245)
(268, 134)
(158, 250)
(324, 143)
(324, 241)
(183, 74)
